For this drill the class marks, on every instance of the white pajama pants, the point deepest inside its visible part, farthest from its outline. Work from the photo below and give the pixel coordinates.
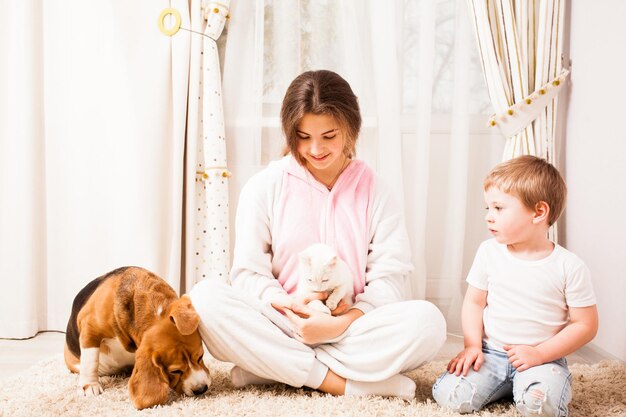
(388, 340)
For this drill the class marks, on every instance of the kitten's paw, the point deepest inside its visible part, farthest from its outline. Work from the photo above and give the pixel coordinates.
(331, 305)
(319, 306)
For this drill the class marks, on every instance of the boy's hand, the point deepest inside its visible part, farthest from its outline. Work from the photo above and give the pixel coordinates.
(462, 362)
(523, 357)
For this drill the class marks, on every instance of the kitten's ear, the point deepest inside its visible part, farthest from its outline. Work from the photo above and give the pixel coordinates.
(333, 261)
(305, 259)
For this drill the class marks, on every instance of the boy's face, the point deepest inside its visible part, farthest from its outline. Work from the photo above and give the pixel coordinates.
(508, 219)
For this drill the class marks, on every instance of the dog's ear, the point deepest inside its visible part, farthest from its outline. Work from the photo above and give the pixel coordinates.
(184, 316)
(148, 385)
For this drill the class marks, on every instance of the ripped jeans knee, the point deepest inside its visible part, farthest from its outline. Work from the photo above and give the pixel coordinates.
(534, 401)
(460, 396)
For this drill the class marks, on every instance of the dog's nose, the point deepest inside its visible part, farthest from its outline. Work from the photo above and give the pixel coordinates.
(200, 390)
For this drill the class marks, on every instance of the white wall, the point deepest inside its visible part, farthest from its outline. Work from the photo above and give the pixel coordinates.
(595, 159)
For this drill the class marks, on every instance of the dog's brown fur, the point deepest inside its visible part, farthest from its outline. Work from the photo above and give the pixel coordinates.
(143, 312)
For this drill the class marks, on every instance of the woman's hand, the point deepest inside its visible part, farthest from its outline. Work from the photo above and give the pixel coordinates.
(305, 299)
(313, 327)
(342, 307)
(281, 301)
(523, 357)
(462, 362)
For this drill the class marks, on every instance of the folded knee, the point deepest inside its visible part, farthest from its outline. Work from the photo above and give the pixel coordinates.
(533, 401)
(426, 321)
(460, 397)
(208, 295)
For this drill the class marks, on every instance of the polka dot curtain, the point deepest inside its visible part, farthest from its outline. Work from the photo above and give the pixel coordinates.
(211, 251)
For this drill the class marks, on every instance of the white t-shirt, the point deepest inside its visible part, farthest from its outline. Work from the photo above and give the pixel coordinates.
(528, 301)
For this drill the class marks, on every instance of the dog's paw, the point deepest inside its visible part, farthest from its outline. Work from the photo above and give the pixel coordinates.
(90, 389)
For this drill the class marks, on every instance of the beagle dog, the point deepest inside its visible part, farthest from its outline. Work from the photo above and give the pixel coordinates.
(132, 319)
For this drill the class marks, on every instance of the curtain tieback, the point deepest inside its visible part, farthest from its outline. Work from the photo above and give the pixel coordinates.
(218, 171)
(216, 14)
(521, 114)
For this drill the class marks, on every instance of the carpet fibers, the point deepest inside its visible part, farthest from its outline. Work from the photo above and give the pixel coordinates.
(48, 389)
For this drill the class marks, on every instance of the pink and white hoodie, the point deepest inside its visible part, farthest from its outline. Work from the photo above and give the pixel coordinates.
(282, 210)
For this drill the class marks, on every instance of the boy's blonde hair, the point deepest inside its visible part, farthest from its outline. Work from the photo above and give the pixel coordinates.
(531, 179)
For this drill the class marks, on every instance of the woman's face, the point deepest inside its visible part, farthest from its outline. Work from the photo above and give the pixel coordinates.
(321, 143)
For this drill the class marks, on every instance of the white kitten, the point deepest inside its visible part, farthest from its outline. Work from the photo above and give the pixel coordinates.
(321, 270)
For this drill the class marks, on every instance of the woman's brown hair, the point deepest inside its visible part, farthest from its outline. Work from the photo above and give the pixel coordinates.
(320, 92)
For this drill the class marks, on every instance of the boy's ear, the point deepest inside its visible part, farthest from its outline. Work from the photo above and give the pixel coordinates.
(542, 211)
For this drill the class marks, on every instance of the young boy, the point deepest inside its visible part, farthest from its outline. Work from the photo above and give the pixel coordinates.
(529, 302)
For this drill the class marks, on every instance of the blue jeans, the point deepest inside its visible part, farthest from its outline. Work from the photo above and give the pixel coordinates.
(543, 390)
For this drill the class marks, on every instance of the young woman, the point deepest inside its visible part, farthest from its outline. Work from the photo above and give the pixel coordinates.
(318, 193)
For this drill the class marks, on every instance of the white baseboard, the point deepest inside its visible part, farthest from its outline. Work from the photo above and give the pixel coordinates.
(594, 353)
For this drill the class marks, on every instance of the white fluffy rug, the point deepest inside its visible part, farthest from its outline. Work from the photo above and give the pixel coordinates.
(48, 389)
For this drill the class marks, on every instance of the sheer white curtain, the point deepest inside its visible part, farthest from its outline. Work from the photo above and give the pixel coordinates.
(412, 65)
(22, 172)
(242, 87)
(92, 125)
